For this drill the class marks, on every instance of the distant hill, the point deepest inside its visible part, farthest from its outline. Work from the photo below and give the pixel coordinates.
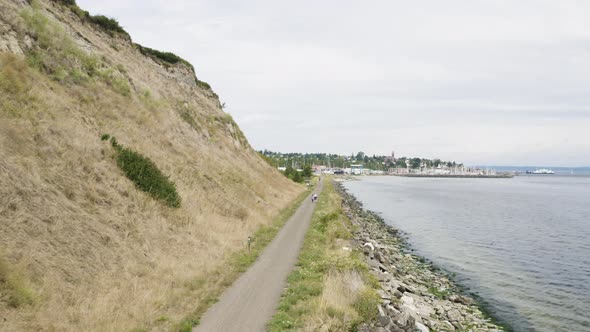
(122, 180)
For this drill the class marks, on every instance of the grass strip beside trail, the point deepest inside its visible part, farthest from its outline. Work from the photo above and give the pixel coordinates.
(331, 288)
(238, 263)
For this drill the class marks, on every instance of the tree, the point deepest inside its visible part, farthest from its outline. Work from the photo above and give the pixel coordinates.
(297, 177)
(289, 172)
(307, 171)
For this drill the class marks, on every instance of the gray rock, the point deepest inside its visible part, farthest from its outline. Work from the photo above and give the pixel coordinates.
(380, 257)
(405, 319)
(461, 299)
(383, 321)
(365, 328)
(449, 326)
(458, 325)
(454, 315)
(394, 328)
(392, 311)
(407, 299)
(374, 264)
(420, 327)
(383, 277)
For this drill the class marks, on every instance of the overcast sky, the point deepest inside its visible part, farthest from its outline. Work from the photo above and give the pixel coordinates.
(481, 82)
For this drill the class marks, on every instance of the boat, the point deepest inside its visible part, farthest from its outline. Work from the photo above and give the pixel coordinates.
(541, 171)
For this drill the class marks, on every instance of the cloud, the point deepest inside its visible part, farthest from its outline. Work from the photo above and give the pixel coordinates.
(477, 81)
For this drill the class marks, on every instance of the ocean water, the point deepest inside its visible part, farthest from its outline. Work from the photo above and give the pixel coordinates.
(521, 244)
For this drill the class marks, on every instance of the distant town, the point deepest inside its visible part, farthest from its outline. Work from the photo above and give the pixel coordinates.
(363, 164)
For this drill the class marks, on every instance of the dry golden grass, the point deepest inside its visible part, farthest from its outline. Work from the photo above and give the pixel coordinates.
(333, 310)
(99, 254)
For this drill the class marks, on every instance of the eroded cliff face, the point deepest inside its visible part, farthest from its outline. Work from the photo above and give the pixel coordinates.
(81, 248)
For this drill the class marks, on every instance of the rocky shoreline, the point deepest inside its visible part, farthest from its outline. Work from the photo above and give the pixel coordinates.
(415, 296)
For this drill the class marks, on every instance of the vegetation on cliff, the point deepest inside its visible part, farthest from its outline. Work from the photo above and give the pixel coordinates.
(108, 24)
(57, 55)
(113, 28)
(145, 174)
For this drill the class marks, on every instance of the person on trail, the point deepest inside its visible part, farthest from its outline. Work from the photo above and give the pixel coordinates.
(314, 197)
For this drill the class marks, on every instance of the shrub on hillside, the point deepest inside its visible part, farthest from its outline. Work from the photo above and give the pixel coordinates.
(203, 85)
(67, 2)
(109, 24)
(171, 58)
(146, 175)
(366, 305)
(168, 57)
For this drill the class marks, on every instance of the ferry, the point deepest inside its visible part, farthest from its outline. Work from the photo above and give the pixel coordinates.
(541, 171)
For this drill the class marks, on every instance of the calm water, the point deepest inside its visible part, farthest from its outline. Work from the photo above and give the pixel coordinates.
(522, 244)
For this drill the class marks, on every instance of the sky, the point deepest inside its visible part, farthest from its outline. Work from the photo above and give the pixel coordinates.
(481, 82)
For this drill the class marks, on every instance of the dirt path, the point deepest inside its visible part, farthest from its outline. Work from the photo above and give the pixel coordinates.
(252, 300)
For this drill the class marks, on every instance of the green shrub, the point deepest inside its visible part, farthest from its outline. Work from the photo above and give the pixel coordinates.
(203, 85)
(146, 175)
(187, 325)
(293, 174)
(171, 58)
(108, 24)
(366, 305)
(82, 14)
(104, 137)
(168, 57)
(115, 143)
(66, 2)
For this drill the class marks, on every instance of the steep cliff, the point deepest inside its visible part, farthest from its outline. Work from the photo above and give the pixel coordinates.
(81, 246)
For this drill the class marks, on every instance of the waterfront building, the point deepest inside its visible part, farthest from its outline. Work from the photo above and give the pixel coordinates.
(356, 169)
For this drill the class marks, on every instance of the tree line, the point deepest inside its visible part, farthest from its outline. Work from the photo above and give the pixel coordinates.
(294, 160)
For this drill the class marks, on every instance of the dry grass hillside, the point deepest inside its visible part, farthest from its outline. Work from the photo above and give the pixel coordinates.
(81, 248)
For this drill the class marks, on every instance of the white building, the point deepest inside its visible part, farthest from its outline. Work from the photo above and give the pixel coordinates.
(356, 169)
